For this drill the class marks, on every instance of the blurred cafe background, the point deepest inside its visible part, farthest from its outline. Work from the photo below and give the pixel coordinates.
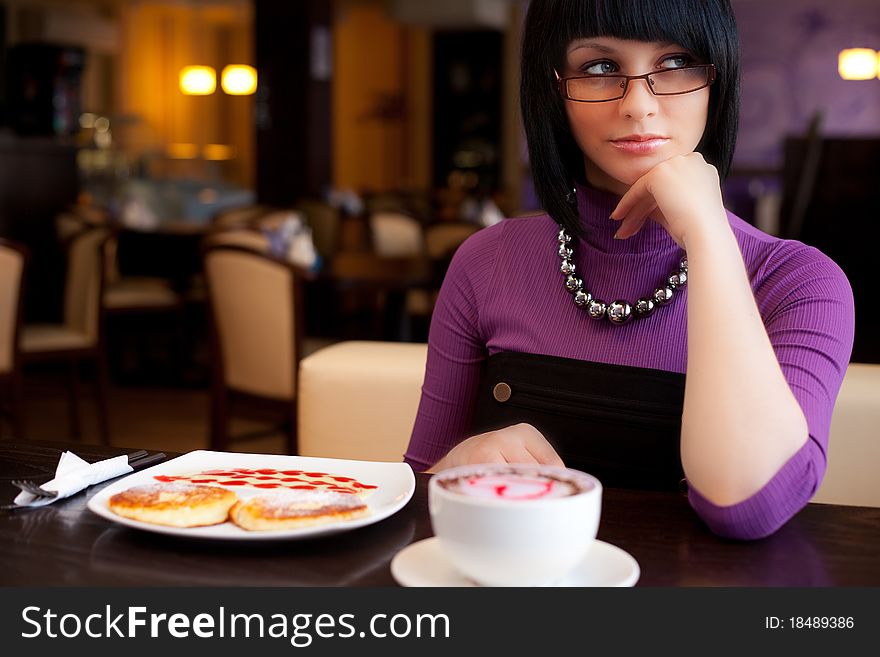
(198, 195)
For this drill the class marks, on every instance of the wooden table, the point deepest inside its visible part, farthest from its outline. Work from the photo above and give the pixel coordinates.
(65, 544)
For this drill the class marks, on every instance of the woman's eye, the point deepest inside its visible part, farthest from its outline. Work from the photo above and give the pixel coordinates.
(598, 68)
(676, 61)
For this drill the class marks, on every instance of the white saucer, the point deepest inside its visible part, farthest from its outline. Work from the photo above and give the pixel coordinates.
(424, 564)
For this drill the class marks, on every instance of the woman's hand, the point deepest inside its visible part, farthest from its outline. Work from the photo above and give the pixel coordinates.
(682, 194)
(520, 443)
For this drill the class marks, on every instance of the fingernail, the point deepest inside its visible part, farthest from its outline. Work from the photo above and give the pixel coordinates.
(616, 235)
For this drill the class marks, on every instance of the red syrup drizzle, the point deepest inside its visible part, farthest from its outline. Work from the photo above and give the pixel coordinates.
(272, 478)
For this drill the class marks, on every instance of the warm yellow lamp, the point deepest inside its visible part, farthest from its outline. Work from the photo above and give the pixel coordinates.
(182, 151)
(239, 80)
(198, 80)
(218, 152)
(857, 64)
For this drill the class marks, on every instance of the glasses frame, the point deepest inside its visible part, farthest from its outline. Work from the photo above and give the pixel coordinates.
(562, 83)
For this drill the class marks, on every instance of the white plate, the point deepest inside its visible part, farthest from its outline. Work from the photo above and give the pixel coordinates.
(424, 564)
(396, 484)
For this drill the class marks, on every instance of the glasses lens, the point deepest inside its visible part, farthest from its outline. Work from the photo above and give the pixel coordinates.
(606, 87)
(679, 80)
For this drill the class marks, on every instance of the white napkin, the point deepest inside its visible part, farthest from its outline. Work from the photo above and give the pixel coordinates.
(73, 474)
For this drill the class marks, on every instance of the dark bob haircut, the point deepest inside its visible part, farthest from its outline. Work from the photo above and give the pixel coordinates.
(706, 28)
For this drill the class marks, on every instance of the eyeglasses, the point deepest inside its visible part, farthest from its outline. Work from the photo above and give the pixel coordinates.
(668, 82)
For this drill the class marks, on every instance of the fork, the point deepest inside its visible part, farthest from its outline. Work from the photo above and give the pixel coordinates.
(33, 489)
(136, 460)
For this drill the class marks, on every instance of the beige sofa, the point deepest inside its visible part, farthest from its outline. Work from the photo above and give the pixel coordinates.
(854, 446)
(358, 400)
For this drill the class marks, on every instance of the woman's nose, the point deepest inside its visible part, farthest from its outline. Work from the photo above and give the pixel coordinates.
(638, 100)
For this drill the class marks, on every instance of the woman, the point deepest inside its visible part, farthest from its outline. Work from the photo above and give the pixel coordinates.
(638, 331)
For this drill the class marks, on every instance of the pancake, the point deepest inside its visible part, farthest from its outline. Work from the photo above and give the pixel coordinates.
(292, 509)
(175, 504)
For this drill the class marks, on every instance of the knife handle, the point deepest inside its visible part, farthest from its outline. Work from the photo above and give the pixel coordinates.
(146, 461)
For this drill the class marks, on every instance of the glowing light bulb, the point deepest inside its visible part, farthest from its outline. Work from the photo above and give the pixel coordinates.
(239, 80)
(198, 80)
(857, 63)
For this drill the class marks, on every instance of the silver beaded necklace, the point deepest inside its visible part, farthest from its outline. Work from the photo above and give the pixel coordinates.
(620, 311)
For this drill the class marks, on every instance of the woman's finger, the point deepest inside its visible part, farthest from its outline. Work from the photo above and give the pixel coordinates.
(630, 199)
(636, 218)
(543, 452)
(518, 454)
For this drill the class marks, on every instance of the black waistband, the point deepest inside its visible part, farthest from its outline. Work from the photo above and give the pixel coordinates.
(621, 424)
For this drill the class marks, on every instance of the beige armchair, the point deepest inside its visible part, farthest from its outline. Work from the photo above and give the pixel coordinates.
(257, 327)
(79, 337)
(13, 264)
(358, 400)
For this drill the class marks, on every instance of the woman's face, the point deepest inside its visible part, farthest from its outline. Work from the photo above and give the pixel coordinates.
(604, 131)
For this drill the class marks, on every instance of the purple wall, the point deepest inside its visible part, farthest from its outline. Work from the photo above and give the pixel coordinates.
(789, 53)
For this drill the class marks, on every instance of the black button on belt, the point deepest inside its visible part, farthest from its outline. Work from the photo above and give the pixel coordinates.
(501, 392)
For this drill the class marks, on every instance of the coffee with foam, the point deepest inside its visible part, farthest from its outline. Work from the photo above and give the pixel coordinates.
(512, 524)
(514, 485)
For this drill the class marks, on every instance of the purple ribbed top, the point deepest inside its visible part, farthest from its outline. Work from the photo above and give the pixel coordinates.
(504, 292)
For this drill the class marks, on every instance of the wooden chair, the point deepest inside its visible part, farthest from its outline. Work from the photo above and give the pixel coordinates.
(396, 234)
(13, 265)
(138, 296)
(256, 315)
(79, 338)
(242, 217)
(326, 224)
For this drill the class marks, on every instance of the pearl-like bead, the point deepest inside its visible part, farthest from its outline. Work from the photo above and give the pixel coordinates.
(596, 309)
(663, 295)
(619, 311)
(644, 307)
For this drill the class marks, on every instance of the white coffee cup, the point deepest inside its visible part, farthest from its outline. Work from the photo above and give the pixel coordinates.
(514, 524)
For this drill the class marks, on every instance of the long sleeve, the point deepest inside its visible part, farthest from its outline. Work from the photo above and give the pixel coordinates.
(807, 306)
(456, 352)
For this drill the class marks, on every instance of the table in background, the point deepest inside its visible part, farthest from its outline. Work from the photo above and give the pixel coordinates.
(65, 544)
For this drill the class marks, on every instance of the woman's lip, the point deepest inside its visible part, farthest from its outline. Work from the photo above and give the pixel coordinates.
(640, 147)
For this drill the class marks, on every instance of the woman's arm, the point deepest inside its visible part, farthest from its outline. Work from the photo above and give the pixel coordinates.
(752, 422)
(456, 352)
(741, 423)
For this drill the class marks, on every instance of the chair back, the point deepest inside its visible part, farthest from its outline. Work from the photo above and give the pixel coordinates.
(242, 217)
(443, 238)
(255, 304)
(324, 220)
(13, 260)
(244, 238)
(68, 224)
(853, 445)
(84, 285)
(276, 219)
(396, 235)
(381, 383)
